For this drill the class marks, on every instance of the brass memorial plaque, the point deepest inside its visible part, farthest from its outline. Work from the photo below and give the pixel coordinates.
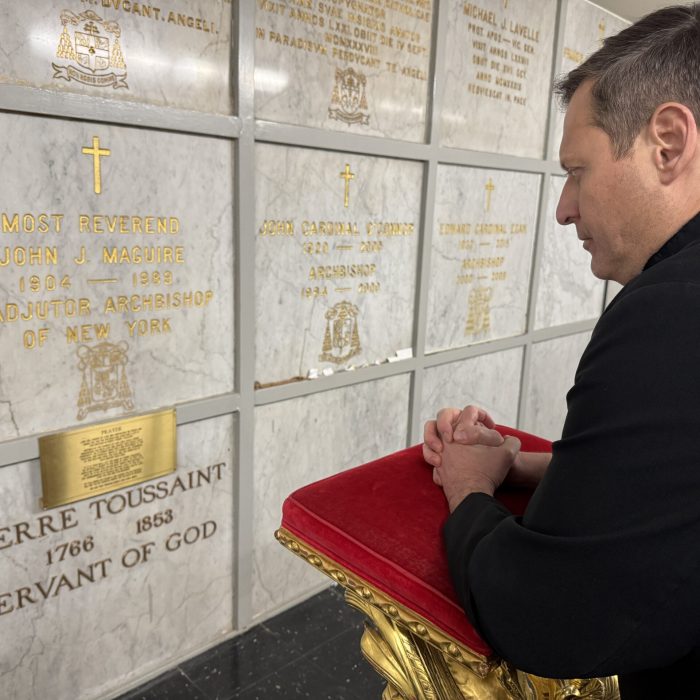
(87, 462)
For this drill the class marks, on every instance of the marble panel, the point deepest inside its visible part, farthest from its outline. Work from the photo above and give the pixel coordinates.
(336, 250)
(567, 291)
(304, 440)
(113, 302)
(552, 369)
(121, 49)
(358, 67)
(483, 233)
(498, 63)
(491, 381)
(95, 595)
(612, 289)
(585, 26)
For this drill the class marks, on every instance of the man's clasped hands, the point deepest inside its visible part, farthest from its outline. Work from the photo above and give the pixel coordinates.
(469, 455)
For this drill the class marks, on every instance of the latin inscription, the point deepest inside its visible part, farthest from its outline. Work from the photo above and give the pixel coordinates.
(149, 11)
(501, 51)
(499, 58)
(354, 32)
(355, 50)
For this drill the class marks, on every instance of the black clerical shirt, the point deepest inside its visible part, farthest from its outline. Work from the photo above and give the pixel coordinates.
(601, 575)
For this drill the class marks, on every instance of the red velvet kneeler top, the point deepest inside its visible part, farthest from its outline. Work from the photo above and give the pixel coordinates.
(383, 522)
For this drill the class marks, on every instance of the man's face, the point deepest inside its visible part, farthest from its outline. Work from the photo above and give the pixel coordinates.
(609, 201)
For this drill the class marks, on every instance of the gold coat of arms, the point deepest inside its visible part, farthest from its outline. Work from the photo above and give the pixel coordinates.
(341, 340)
(349, 97)
(104, 382)
(93, 52)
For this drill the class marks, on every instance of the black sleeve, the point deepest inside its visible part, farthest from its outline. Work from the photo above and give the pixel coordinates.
(601, 575)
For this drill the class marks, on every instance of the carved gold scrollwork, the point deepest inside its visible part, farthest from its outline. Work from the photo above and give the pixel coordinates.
(420, 663)
(525, 686)
(414, 668)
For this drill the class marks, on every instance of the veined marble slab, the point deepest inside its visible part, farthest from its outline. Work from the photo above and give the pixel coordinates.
(567, 290)
(360, 67)
(612, 289)
(585, 27)
(304, 440)
(113, 302)
(483, 233)
(552, 369)
(498, 62)
(336, 246)
(490, 381)
(115, 587)
(174, 56)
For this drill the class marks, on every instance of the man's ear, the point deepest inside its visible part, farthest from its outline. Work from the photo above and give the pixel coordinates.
(673, 135)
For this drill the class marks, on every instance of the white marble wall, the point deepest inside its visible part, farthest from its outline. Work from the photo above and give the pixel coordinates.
(299, 192)
(497, 77)
(612, 289)
(147, 604)
(306, 439)
(567, 290)
(174, 56)
(171, 354)
(585, 27)
(491, 381)
(552, 369)
(302, 59)
(482, 239)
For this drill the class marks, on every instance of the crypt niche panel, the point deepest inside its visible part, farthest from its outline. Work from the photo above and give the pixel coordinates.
(483, 234)
(567, 291)
(490, 381)
(585, 27)
(553, 366)
(498, 63)
(346, 66)
(335, 260)
(340, 429)
(116, 293)
(98, 594)
(174, 56)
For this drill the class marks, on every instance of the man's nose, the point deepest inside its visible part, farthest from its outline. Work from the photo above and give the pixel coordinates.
(567, 209)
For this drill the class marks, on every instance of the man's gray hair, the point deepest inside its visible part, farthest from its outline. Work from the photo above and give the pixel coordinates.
(655, 60)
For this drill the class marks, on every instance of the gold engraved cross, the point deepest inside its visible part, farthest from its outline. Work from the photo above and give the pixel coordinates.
(96, 152)
(347, 176)
(601, 29)
(490, 187)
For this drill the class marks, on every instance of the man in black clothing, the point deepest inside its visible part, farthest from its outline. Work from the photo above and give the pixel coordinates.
(601, 575)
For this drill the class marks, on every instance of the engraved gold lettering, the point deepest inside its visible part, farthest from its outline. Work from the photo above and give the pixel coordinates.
(329, 228)
(147, 255)
(43, 310)
(275, 227)
(327, 272)
(153, 326)
(120, 223)
(87, 332)
(476, 12)
(20, 256)
(161, 301)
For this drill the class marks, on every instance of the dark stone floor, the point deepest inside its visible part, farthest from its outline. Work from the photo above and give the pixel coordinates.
(310, 651)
